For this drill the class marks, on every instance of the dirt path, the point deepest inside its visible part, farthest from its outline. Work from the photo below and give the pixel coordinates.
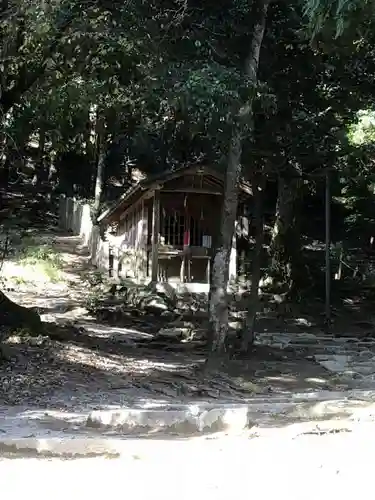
(328, 466)
(86, 363)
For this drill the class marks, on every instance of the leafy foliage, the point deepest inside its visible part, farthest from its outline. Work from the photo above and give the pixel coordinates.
(340, 14)
(167, 81)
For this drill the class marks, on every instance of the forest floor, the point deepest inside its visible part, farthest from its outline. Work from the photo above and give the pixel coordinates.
(90, 361)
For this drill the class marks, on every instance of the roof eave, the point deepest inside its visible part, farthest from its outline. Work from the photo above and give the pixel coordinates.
(156, 180)
(110, 210)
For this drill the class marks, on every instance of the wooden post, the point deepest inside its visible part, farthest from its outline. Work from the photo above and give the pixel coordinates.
(155, 235)
(208, 270)
(182, 268)
(144, 240)
(233, 256)
(328, 248)
(185, 268)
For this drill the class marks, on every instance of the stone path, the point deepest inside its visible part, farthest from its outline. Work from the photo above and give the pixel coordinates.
(352, 359)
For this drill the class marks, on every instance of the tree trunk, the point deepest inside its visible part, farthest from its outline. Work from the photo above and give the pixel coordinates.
(218, 307)
(99, 180)
(5, 173)
(8, 166)
(102, 149)
(253, 303)
(41, 170)
(90, 138)
(52, 170)
(285, 242)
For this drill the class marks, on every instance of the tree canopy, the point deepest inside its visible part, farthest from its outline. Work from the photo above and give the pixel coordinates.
(154, 86)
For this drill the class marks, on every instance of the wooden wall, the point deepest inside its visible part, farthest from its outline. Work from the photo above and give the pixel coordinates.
(131, 242)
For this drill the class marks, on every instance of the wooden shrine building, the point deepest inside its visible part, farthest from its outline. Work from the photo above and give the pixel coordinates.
(164, 228)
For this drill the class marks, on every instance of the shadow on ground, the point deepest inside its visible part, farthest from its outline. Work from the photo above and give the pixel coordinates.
(73, 368)
(93, 364)
(71, 377)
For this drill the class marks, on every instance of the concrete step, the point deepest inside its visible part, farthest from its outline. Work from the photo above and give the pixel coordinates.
(108, 431)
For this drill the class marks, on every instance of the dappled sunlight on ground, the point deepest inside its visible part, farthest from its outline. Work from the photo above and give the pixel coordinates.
(88, 363)
(286, 380)
(46, 259)
(115, 364)
(20, 273)
(117, 333)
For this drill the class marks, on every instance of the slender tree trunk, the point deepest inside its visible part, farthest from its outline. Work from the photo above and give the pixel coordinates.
(285, 244)
(90, 138)
(253, 303)
(4, 174)
(102, 149)
(52, 167)
(99, 180)
(218, 307)
(9, 161)
(41, 171)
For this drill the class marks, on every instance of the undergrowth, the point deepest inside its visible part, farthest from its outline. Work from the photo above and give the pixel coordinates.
(43, 257)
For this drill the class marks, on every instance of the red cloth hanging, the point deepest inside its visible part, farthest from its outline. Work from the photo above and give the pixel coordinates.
(187, 238)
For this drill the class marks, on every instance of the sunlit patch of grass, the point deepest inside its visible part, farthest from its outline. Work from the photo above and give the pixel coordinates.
(19, 280)
(43, 259)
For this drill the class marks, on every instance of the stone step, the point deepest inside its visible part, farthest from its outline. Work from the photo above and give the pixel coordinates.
(107, 431)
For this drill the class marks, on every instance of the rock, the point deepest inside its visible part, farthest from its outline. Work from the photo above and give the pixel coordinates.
(149, 300)
(199, 334)
(174, 332)
(351, 374)
(365, 355)
(154, 305)
(235, 325)
(39, 340)
(181, 421)
(335, 363)
(164, 290)
(180, 323)
(364, 368)
(167, 314)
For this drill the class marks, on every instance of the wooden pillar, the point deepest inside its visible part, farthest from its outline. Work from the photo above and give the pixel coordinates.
(155, 235)
(144, 239)
(328, 249)
(208, 270)
(185, 266)
(233, 256)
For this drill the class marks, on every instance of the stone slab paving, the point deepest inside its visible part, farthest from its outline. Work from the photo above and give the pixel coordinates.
(349, 357)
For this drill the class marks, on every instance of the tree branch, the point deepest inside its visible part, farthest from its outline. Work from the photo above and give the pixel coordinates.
(252, 61)
(26, 77)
